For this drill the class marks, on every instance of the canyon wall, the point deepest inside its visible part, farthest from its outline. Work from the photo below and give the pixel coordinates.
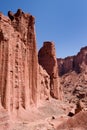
(73, 77)
(18, 61)
(23, 82)
(76, 63)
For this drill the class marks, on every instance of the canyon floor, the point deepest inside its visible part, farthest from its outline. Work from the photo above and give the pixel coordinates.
(47, 116)
(50, 115)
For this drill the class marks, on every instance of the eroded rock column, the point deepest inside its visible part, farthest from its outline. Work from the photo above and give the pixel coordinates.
(47, 59)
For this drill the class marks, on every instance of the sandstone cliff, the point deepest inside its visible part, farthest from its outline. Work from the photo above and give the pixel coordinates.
(65, 65)
(18, 61)
(76, 63)
(23, 82)
(29, 83)
(73, 75)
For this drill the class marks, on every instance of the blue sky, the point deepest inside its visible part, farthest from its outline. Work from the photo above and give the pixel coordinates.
(62, 21)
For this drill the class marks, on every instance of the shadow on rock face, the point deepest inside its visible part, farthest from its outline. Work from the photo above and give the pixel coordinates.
(11, 15)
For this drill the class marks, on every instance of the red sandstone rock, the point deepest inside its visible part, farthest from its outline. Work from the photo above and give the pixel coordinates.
(23, 82)
(47, 59)
(43, 91)
(18, 60)
(65, 65)
(76, 63)
(73, 71)
(77, 122)
(80, 61)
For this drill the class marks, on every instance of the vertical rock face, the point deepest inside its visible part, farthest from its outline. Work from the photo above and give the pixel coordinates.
(65, 65)
(18, 61)
(47, 59)
(23, 82)
(80, 60)
(43, 91)
(77, 63)
(73, 72)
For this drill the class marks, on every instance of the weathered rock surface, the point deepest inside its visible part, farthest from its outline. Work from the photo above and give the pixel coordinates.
(43, 91)
(24, 84)
(47, 59)
(80, 61)
(65, 65)
(77, 63)
(77, 122)
(73, 71)
(28, 83)
(18, 61)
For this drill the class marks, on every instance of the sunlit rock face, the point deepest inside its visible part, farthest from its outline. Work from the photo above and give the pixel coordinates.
(77, 63)
(73, 75)
(29, 81)
(47, 59)
(18, 61)
(23, 82)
